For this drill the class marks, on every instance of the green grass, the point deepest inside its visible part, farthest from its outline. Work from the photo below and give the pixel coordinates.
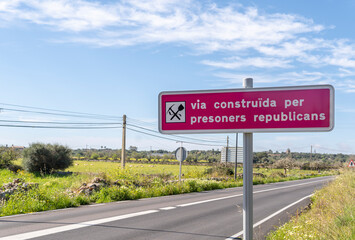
(135, 182)
(332, 214)
(97, 167)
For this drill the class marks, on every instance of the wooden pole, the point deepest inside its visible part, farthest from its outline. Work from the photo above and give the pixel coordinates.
(123, 152)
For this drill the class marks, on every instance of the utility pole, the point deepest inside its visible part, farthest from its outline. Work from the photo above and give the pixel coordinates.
(310, 157)
(123, 151)
(150, 154)
(227, 150)
(236, 156)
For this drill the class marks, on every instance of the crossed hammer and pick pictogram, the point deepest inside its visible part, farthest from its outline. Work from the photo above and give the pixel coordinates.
(175, 114)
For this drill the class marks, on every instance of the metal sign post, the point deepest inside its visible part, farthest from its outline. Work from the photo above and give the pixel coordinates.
(247, 110)
(180, 160)
(248, 178)
(180, 155)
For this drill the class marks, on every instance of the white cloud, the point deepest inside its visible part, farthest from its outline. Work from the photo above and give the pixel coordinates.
(296, 48)
(242, 36)
(345, 110)
(164, 21)
(258, 62)
(286, 78)
(336, 77)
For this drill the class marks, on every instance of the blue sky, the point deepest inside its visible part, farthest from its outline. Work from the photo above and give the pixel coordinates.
(114, 57)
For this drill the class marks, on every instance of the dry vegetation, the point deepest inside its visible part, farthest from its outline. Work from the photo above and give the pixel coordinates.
(53, 191)
(332, 214)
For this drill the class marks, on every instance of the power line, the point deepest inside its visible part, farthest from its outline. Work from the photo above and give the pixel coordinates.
(55, 127)
(55, 110)
(147, 129)
(90, 125)
(335, 150)
(68, 123)
(155, 124)
(48, 113)
(168, 138)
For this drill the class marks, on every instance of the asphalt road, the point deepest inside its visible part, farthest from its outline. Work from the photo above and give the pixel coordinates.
(205, 215)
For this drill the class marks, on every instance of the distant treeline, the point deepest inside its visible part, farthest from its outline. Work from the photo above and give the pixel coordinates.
(204, 156)
(272, 157)
(211, 156)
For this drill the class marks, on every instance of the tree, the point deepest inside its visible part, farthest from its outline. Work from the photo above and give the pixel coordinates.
(260, 157)
(305, 166)
(136, 155)
(212, 159)
(318, 165)
(189, 158)
(114, 156)
(285, 163)
(45, 158)
(288, 151)
(7, 155)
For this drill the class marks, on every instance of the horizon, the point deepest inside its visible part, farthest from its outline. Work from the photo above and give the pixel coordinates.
(72, 69)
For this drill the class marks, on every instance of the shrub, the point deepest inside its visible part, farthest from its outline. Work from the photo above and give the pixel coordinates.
(221, 170)
(15, 168)
(95, 156)
(285, 163)
(7, 155)
(114, 156)
(45, 158)
(318, 165)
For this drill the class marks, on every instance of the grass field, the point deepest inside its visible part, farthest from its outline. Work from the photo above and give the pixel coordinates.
(136, 181)
(97, 167)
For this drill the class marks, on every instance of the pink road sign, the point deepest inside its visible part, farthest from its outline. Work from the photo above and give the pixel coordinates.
(282, 109)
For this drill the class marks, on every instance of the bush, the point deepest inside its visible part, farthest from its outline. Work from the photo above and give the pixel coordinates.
(45, 158)
(95, 156)
(221, 170)
(7, 155)
(318, 165)
(114, 156)
(285, 163)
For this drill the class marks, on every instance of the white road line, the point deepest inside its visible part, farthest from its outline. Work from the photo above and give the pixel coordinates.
(209, 200)
(49, 231)
(296, 185)
(238, 195)
(167, 208)
(269, 217)
(96, 205)
(45, 232)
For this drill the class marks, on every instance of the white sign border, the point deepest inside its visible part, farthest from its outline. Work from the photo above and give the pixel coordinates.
(259, 130)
